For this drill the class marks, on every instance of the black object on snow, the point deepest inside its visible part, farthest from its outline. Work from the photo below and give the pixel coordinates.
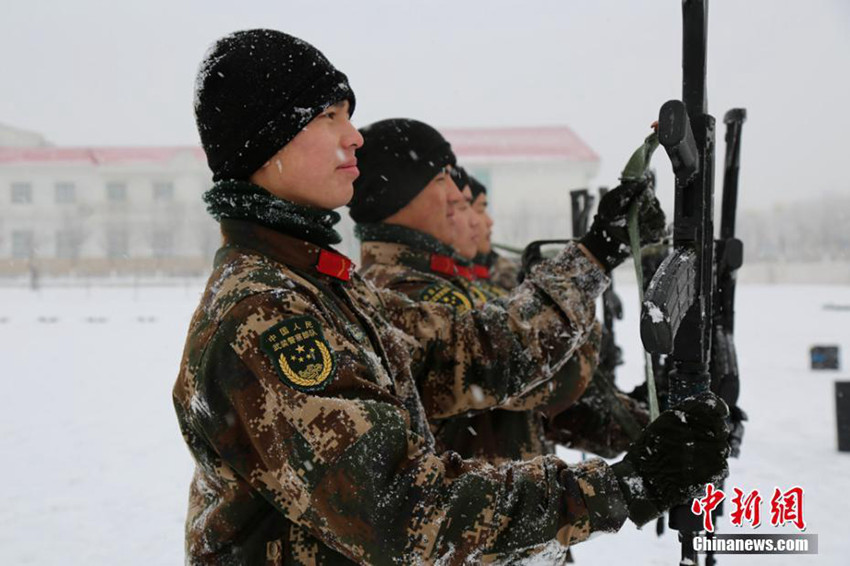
(842, 412)
(825, 357)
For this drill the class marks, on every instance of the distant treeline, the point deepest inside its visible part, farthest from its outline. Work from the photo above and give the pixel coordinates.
(816, 230)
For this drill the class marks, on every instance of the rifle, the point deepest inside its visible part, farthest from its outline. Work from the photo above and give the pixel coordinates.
(581, 203)
(533, 253)
(676, 313)
(510, 249)
(729, 256)
(729, 252)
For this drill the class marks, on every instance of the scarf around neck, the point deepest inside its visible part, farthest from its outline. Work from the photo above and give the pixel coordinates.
(242, 200)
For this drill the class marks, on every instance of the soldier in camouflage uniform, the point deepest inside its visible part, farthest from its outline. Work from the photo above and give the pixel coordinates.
(604, 420)
(466, 231)
(495, 273)
(296, 395)
(397, 256)
(416, 252)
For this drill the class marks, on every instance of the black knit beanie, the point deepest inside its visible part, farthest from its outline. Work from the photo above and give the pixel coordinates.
(476, 187)
(255, 90)
(460, 177)
(398, 159)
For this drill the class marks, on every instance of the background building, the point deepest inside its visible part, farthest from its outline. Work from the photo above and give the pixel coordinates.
(529, 173)
(81, 213)
(97, 212)
(73, 215)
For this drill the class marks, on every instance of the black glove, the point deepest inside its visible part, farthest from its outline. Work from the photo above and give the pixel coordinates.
(608, 237)
(678, 453)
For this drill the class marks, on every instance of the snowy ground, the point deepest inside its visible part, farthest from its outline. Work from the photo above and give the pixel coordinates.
(95, 472)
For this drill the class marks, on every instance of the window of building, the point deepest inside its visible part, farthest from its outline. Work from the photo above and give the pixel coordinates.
(65, 193)
(21, 193)
(116, 192)
(22, 244)
(163, 191)
(117, 244)
(163, 243)
(67, 245)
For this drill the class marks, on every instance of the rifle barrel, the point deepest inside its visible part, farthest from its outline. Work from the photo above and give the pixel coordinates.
(694, 214)
(694, 231)
(734, 120)
(694, 46)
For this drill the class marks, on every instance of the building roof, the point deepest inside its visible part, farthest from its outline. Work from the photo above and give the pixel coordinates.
(95, 155)
(549, 143)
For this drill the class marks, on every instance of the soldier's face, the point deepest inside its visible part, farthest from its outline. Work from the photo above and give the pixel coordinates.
(479, 206)
(431, 211)
(318, 167)
(466, 227)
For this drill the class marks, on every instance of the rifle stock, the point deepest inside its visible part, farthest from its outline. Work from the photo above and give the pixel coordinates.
(677, 137)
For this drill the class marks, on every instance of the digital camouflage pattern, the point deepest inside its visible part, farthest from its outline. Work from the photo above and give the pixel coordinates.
(604, 420)
(489, 289)
(598, 421)
(504, 271)
(495, 282)
(504, 434)
(346, 473)
(514, 431)
(473, 289)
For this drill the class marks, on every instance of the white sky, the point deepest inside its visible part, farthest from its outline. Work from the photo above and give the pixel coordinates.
(97, 72)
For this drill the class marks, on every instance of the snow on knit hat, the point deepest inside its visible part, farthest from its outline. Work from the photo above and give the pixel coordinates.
(398, 159)
(255, 90)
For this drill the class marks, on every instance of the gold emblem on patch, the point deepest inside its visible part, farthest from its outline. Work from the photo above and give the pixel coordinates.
(473, 290)
(492, 290)
(301, 355)
(447, 295)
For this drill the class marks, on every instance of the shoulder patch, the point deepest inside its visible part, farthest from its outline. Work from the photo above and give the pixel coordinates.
(299, 352)
(447, 295)
(492, 290)
(475, 291)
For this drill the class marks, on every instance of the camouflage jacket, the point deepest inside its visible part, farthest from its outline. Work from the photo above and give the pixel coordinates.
(603, 421)
(466, 279)
(483, 273)
(497, 272)
(296, 399)
(515, 431)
